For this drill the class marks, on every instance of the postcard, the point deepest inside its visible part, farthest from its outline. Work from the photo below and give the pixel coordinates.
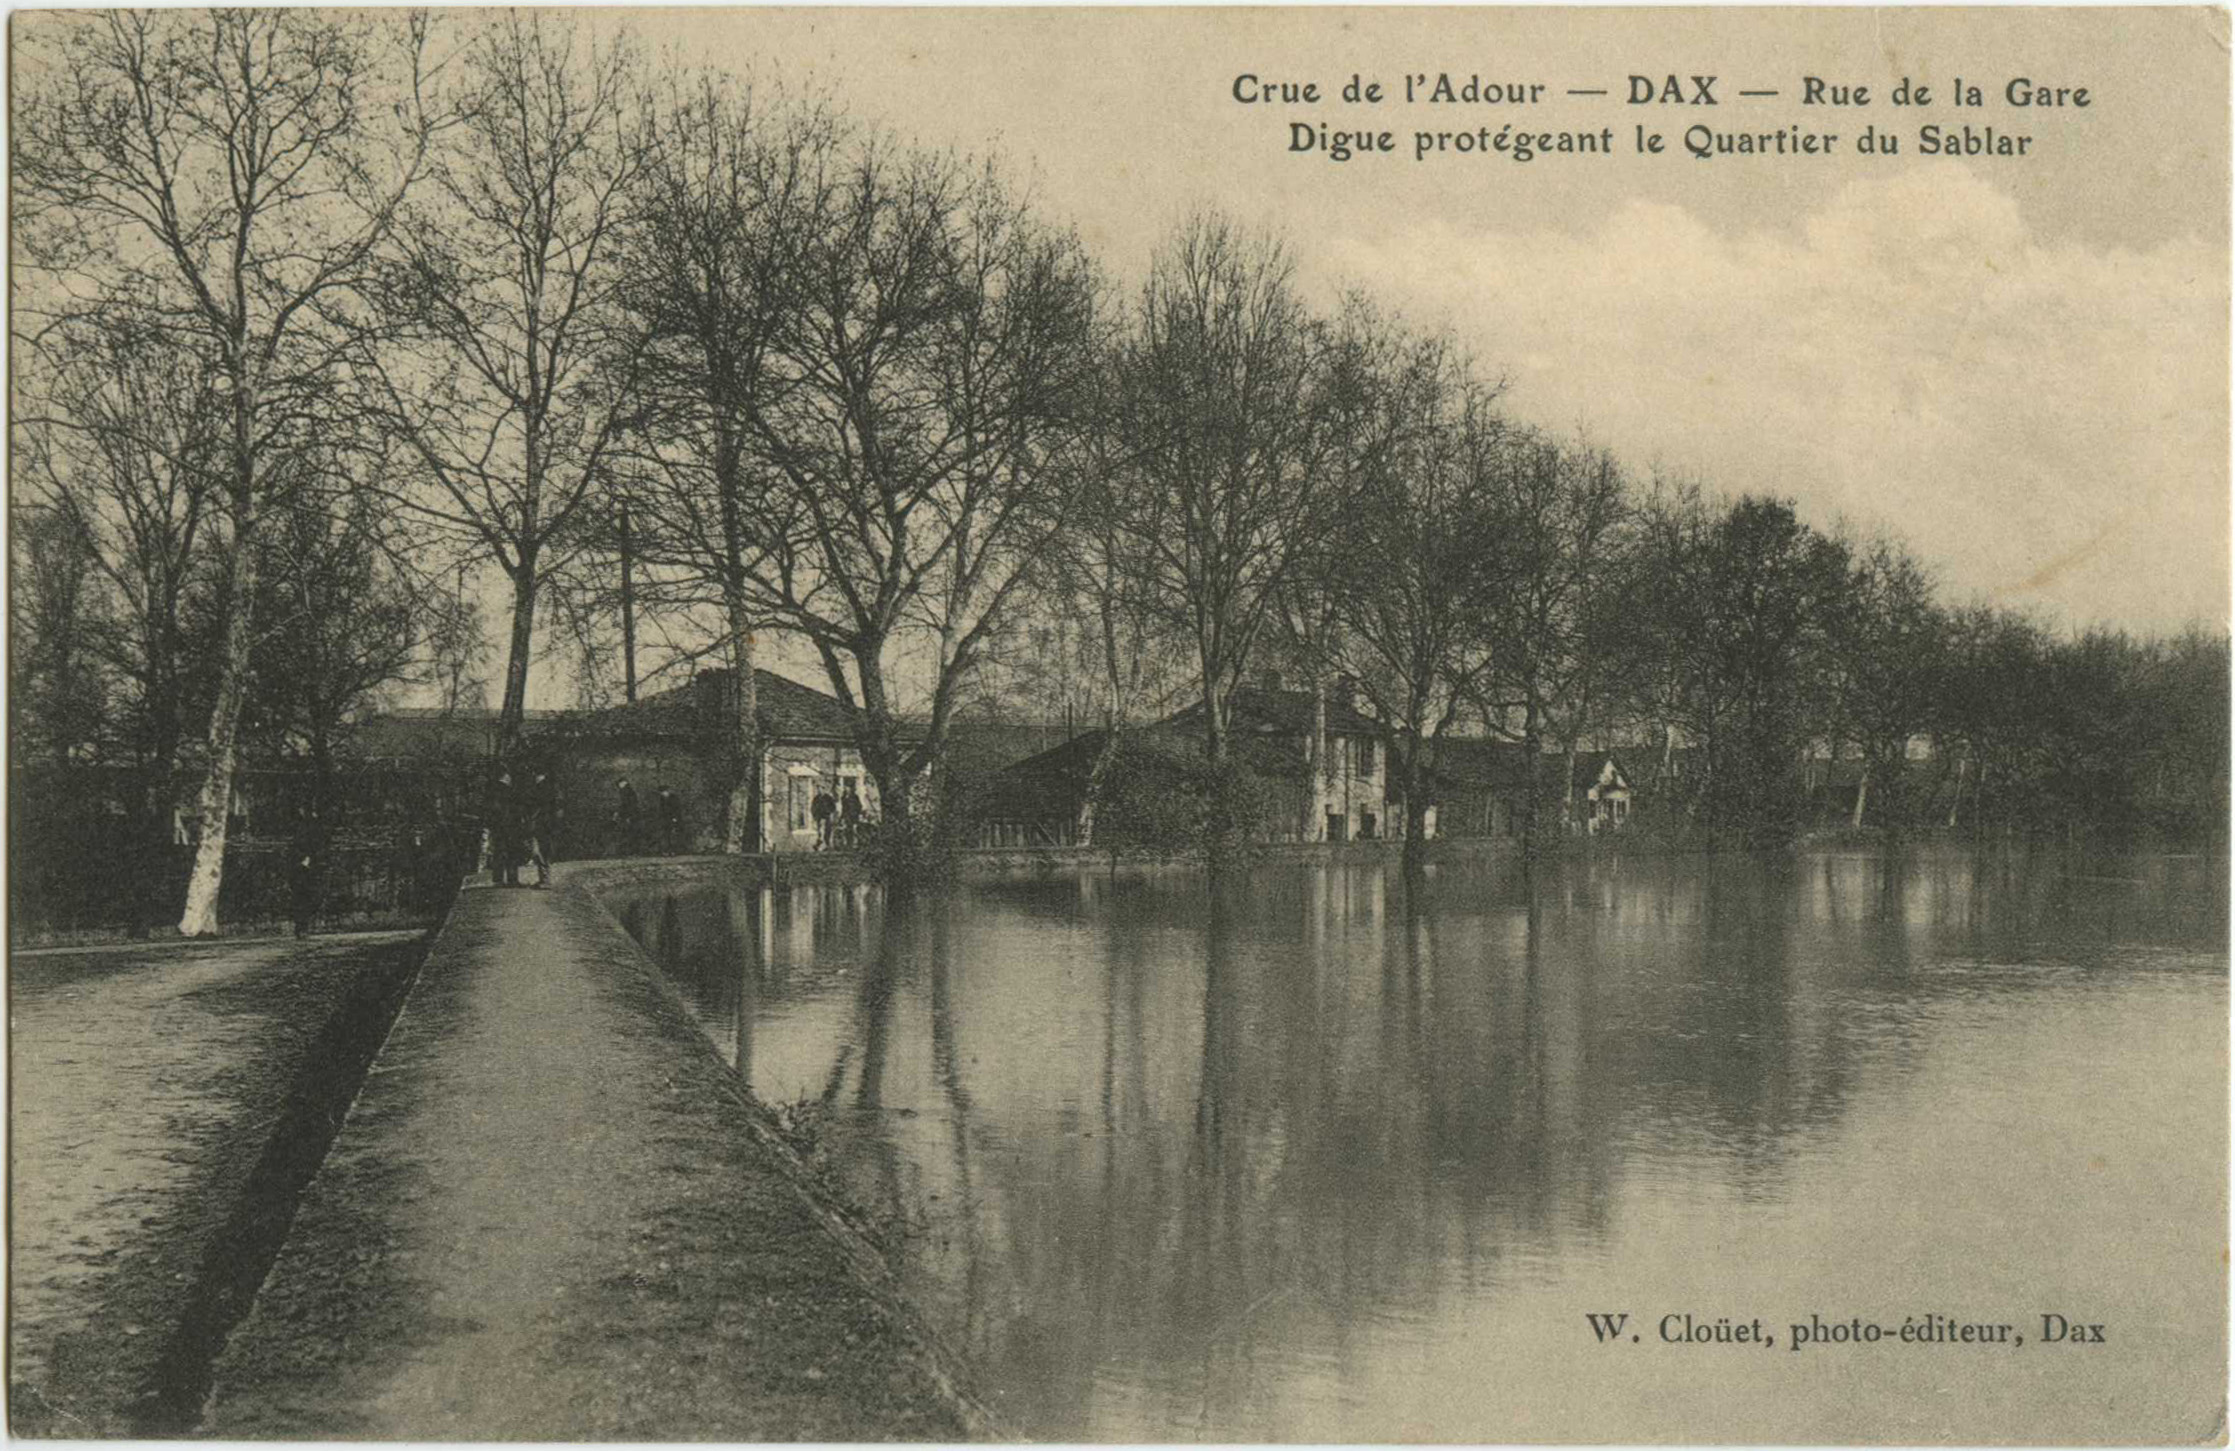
(1314, 725)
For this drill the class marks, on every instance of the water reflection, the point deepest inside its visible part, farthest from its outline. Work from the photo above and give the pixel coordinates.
(1222, 1157)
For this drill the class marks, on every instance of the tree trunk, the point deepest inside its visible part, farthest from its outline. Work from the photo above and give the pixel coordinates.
(513, 715)
(876, 737)
(1416, 820)
(200, 916)
(740, 813)
(628, 611)
(1567, 790)
(1862, 795)
(322, 772)
(1896, 798)
(1317, 776)
(896, 830)
(1223, 828)
(1093, 794)
(1532, 741)
(158, 799)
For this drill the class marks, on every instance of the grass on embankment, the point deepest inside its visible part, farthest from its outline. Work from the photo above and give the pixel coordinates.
(168, 1102)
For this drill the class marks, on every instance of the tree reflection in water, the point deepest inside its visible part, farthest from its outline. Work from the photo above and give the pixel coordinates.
(1182, 1155)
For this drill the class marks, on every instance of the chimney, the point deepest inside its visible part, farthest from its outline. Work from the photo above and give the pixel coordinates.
(712, 689)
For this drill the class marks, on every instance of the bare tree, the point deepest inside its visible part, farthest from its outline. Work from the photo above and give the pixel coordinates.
(1306, 636)
(1988, 699)
(1225, 399)
(503, 369)
(925, 438)
(732, 195)
(127, 444)
(1751, 627)
(1562, 504)
(59, 695)
(1656, 575)
(1884, 652)
(341, 618)
(457, 647)
(223, 178)
(1087, 645)
(1387, 398)
(577, 605)
(1423, 567)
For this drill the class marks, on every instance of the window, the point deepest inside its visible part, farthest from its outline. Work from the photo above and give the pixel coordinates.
(1366, 757)
(803, 803)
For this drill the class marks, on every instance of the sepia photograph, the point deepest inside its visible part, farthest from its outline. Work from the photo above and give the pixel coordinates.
(1263, 724)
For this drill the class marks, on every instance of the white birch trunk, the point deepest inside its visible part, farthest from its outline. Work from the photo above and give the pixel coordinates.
(1084, 826)
(200, 917)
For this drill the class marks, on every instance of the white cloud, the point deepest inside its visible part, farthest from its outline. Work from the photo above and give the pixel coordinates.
(2047, 424)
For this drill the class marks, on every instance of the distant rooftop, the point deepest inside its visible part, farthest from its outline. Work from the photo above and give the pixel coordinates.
(783, 708)
(462, 713)
(1290, 711)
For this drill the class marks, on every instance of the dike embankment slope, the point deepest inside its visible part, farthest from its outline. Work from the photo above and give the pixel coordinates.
(168, 1100)
(553, 1214)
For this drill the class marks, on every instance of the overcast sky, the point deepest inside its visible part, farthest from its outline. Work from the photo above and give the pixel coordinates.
(2018, 364)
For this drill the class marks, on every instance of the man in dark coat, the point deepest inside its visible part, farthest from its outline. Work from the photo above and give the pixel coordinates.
(505, 830)
(624, 819)
(849, 811)
(306, 866)
(536, 824)
(671, 822)
(822, 808)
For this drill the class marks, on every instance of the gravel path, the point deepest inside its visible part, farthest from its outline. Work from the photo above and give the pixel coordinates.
(146, 1083)
(549, 1217)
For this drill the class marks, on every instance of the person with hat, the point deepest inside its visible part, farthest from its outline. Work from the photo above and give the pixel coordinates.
(824, 808)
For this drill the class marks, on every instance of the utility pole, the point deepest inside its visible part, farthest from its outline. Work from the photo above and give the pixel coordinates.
(628, 610)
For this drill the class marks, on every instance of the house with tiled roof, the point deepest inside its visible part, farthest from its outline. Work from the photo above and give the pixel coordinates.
(1347, 797)
(1482, 788)
(421, 734)
(670, 752)
(1036, 801)
(1342, 797)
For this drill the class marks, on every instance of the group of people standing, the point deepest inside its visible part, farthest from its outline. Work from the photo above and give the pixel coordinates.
(837, 818)
(634, 835)
(521, 819)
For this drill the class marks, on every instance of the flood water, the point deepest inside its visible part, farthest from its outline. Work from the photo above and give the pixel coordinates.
(1298, 1155)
